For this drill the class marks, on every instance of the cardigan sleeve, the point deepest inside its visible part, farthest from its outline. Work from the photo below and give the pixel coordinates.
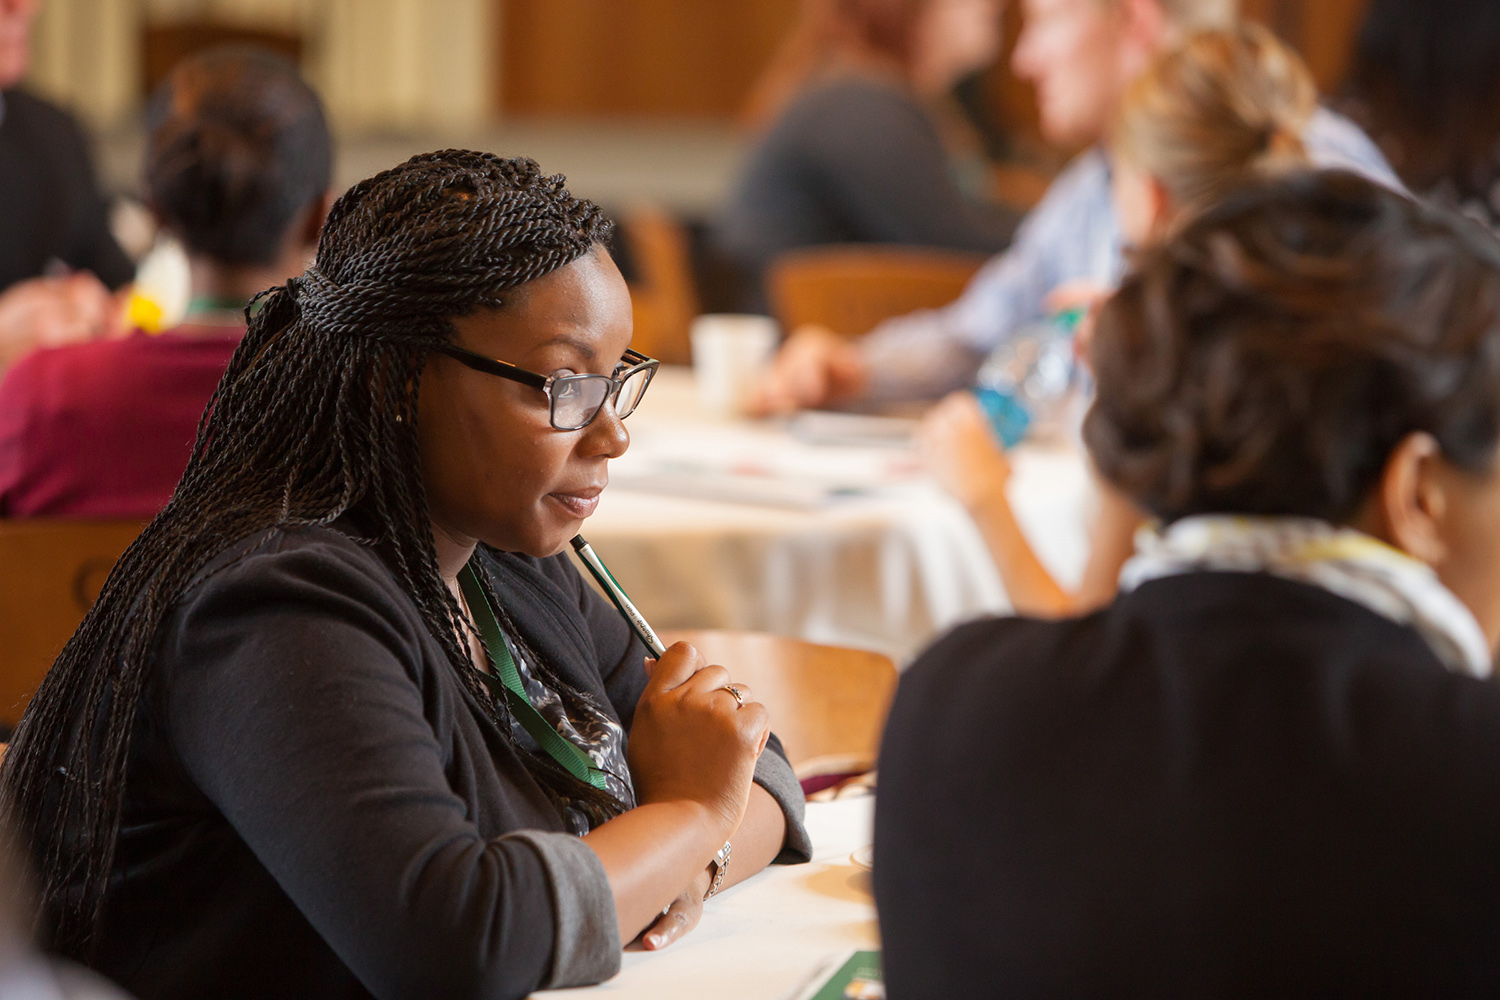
(295, 701)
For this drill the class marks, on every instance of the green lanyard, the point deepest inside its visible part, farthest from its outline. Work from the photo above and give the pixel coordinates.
(221, 304)
(508, 686)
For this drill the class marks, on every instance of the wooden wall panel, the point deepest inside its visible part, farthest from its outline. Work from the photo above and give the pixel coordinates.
(689, 58)
(1321, 30)
(699, 58)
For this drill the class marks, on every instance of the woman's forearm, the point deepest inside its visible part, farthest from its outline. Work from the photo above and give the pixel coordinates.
(758, 840)
(651, 852)
(1111, 544)
(1031, 588)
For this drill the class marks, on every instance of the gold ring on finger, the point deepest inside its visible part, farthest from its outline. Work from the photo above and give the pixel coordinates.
(739, 696)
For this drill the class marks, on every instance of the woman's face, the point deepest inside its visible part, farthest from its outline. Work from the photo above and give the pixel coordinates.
(494, 467)
(15, 40)
(1071, 50)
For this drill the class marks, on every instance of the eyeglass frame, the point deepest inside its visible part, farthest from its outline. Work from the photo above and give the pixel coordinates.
(506, 370)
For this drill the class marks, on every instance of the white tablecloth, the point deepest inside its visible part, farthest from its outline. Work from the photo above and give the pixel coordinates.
(764, 938)
(887, 568)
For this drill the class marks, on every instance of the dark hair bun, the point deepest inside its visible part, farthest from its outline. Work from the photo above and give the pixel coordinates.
(1269, 358)
(238, 149)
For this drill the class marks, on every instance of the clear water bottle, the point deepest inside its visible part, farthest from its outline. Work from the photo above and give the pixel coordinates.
(1025, 381)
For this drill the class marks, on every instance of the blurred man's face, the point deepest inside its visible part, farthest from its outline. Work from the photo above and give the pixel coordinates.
(1070, 49)
(15, 40)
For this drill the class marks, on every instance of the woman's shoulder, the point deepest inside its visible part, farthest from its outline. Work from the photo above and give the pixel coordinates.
(850, 102)
(993, 660)
(294, 547)
(274, 601)
(40, 118)
(301, 571)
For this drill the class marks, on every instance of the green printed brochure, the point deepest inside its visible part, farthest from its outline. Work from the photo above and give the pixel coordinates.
(857, 979)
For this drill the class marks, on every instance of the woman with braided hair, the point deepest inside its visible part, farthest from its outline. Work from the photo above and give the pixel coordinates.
(270, 762)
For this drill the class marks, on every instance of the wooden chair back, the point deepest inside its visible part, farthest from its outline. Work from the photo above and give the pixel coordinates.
(663, 298)
(825, 701)
(50, 574)
(851, 289)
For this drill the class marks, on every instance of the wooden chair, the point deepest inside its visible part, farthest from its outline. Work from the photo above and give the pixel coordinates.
(850, 289)
(50, 574)
(663, 297)
(825, 701)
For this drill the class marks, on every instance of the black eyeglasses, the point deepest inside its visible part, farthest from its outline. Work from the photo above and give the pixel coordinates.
(575, 400)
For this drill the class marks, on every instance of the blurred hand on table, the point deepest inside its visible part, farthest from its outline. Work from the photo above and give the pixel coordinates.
(961, 452)
(53, 311)
(815, 367)
(1088, 297)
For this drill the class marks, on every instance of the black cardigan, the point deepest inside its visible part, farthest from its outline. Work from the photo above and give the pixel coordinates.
(1224, 784)
(317, 807)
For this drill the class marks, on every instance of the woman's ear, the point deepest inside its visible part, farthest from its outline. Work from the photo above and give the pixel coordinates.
(1144, 30)
(1162, 210)
(1411, 502)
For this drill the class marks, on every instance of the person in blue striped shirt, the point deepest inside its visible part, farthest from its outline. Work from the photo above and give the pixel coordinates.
(1081, 55)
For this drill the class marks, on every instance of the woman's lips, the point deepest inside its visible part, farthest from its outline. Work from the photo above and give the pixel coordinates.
(578, 503)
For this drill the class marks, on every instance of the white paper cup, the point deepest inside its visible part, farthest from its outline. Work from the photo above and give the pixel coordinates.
(729, 353)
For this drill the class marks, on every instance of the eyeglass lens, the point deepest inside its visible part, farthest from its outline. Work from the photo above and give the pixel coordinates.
(577, 399)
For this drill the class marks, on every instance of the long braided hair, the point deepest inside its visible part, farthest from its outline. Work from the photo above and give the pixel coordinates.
(315, 418)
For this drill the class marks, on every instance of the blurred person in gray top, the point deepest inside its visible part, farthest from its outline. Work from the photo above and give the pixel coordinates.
(1081, 55)
(859, 143)
(1425, 83)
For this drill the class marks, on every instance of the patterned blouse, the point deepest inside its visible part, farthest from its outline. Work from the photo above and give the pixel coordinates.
(595, 733)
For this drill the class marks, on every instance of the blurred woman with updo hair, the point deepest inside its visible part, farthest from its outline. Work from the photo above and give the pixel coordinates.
(1271, 765)
(854, 134)
(345, 721)
(237, 167)
(1219, 111)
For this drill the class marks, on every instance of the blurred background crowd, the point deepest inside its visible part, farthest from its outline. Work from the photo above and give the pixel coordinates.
(705, 127)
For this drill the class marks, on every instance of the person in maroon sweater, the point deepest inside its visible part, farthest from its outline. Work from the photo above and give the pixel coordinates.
(238, 166)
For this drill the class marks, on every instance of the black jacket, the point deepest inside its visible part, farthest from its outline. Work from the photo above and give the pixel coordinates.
(1224, 784)
(317, 806)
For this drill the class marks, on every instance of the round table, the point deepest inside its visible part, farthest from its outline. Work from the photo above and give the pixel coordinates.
(766, 526)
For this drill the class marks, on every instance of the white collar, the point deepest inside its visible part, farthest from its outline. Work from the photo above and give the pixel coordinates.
(1341, 560)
